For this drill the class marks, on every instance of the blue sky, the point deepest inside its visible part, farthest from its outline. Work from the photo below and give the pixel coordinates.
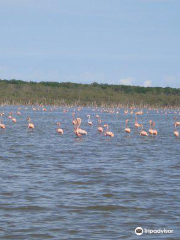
(134, 42)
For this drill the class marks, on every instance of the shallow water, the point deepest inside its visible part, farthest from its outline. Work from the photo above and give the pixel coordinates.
(62, 187)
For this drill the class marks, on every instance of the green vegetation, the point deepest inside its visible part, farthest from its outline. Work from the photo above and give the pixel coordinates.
(54, 93)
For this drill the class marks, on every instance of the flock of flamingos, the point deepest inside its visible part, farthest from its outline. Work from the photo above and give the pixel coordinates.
(104, 129)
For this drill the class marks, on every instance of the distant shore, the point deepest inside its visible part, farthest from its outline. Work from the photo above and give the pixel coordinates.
(17, 92)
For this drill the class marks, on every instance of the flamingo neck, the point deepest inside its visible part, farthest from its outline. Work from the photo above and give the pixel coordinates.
(136, 119)
(78, 124)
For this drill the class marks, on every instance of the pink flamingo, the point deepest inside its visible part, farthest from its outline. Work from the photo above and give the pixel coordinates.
(30, 125)
(177, 123)
(78, 131)
(100, 129)
(74, 120)
(12, 118)
(154, 130)
(143, 133)
(150, 130)
(139, 112)
(176, 133)
(3, 126)
(10, 115)
(18, 112)
(108, 133)
(127, 130)
(137, 125)
(59, 130)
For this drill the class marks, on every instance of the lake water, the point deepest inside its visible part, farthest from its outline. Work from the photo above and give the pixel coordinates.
(61, 187)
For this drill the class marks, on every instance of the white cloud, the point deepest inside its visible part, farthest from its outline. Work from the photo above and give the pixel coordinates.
(127, 81)
(147, 83)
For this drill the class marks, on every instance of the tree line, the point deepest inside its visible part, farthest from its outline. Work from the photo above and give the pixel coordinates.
(67, 93)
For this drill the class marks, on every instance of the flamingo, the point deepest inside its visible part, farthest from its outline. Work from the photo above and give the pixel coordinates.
(59, 130)
(12, 118)
(176, 133)
(74, 120)
(151, 130)
(139, 112)
(100, 129)
(143, 133)
(89, 120)
(3, 126)
(78, 131)
(108, 133)
(137, 125)
(18, 112)
(127, 130)
(30, 125)
(154, 130)
(10, 115)
(177, 123)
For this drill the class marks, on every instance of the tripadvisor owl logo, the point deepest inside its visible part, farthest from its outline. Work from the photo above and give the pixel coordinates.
(139, 231)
